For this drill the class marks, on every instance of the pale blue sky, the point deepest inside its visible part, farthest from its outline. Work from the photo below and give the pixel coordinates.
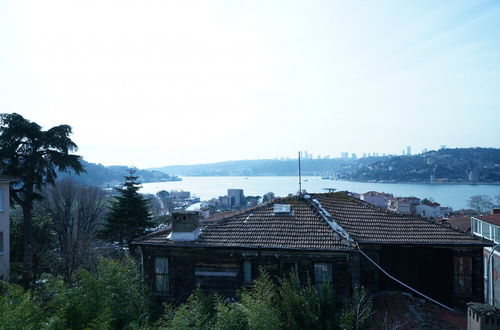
(151, 83)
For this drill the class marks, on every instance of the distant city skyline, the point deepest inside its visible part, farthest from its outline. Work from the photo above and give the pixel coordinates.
(160, 82)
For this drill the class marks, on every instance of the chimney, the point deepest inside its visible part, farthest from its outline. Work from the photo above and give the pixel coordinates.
(495, 211)
(185, 226)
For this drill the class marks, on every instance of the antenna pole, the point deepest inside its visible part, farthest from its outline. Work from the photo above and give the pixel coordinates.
(300, 178)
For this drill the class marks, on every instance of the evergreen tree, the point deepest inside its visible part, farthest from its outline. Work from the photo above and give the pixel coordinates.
(129, 215)
(34, 156)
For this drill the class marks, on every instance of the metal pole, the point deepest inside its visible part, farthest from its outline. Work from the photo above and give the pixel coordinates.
(489, 296)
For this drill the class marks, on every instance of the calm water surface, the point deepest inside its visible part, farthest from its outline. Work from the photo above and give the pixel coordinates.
(206, 188)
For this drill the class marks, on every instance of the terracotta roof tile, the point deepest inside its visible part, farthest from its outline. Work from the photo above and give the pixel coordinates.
(306, 228)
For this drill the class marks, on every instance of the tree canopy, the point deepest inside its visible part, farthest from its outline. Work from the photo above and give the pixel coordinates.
(33, 156)
(129, 215)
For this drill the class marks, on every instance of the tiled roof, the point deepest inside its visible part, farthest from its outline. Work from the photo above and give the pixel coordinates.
(461, 223)
(367, 223)
(493, 219)
(260, 227)
(306, 228)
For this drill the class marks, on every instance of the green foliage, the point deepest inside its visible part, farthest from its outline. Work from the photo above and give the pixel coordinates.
(129, 215)
(358, 311)
(299, 305)
(18, 309)
(33, 156)
(230, 316)
(261, 304)
(196, 313)
(327, 314)
(44, 243)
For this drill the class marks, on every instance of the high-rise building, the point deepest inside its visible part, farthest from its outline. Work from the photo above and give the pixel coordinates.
(354, 156)
(345, 155)
(408, 151)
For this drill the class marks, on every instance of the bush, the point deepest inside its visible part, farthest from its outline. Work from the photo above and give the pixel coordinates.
(260, 304)
(357, 312)
(196, 313)
(18, 308)
(299, 305)
(115, 297)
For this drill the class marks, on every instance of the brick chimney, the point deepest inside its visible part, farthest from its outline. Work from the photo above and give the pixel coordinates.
(185, 226)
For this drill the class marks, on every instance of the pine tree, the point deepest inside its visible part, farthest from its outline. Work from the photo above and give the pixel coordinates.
(129, 215)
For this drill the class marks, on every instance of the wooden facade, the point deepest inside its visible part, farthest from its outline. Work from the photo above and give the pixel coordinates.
(222, 270)
(318, 237)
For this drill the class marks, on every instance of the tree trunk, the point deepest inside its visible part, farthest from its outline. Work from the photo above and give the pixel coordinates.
(28, 243)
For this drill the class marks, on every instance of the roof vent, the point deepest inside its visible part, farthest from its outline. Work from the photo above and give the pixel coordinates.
(282, 209)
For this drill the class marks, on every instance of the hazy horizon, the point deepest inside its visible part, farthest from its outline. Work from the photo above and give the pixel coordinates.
(157, 83)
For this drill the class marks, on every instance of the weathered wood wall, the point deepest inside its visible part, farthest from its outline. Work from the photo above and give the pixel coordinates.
(221, 270)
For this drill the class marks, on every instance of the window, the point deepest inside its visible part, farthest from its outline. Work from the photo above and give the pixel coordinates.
(247, 271)
(1, 241)
(322, 273)
(161, 280)
(496, 238)
(476, 226)
(486, 229)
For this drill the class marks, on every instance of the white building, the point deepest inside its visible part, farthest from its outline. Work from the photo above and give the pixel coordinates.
(376, 198)
(4, 227)
(488, 226)
(429, 210)
(404, 205)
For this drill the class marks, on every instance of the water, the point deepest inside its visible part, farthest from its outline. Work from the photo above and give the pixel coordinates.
(454, 195)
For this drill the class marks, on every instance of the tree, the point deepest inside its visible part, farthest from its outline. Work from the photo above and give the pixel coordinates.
(76, 211)
(129, 215)
(34, 156)
(481, 203)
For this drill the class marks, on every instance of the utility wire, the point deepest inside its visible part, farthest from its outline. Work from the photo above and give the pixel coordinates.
(403, 284)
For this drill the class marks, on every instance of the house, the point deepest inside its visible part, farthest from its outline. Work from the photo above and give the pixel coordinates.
(488, 226)
(4, 227)
(429, 210)
(320, 237)
(404, 205)
(376, 198)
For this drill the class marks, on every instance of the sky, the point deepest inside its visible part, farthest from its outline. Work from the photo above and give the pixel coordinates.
(150, 83)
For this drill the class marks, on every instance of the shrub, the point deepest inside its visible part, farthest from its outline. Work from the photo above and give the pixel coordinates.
(18, 308)
(260, 304)
(299, 305)
(357, 312)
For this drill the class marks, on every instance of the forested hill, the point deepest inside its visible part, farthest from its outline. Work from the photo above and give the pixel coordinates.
(468, 165)
(465, 165)
(263, 167)
(108, 176)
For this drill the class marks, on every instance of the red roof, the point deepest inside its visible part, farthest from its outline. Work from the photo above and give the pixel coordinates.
(493, 219)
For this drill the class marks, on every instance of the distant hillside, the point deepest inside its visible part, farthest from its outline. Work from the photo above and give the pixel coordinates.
(265, 167)
(461, 165)
(108, 176)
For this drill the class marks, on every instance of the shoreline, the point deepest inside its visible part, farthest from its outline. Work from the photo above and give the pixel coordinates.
(319, 176)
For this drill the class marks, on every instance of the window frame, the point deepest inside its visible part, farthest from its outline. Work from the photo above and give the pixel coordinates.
(247, 272)
(165, 273)
(318, 282)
